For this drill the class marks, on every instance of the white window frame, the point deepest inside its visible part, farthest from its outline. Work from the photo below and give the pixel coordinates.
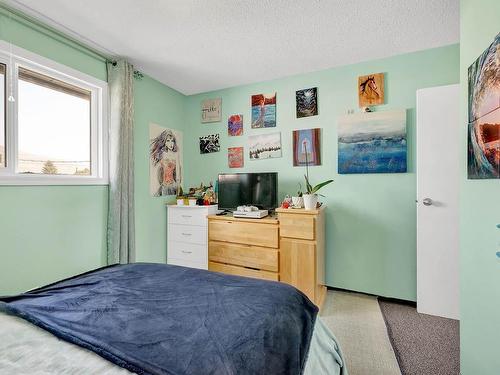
(99, 130)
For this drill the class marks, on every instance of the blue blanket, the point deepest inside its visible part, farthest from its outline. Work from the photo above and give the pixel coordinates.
(161, 319)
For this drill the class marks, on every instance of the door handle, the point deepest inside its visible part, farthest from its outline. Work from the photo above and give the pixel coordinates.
(427, 202)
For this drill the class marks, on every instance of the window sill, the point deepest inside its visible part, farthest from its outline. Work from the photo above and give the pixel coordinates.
(30, 180)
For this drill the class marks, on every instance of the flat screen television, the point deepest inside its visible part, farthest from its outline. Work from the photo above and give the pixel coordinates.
(257, 189)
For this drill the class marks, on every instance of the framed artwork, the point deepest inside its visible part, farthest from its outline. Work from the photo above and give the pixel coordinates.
(209, 144)
(211, 110)
(483, 134)
(373, 142)
(371, 90)
(306, 102)
(264, 146)
(264, 111)
(165, 160)
(306, 147)
(235, 158)
(235, 125)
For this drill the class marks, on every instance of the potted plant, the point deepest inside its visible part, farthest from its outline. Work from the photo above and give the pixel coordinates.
(298, 201)
(311, 197)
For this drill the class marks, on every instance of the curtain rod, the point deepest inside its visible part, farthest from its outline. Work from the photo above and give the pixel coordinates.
(57, 35)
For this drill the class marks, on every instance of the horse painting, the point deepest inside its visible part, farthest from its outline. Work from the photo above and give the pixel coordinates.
(371, 90)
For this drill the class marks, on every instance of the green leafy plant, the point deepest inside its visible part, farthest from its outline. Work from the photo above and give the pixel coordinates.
(309, 188)
(299, 192)
(314, 189)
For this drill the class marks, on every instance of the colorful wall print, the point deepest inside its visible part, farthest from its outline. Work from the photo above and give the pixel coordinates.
(209, 144)
(264, 146)
(165, 160)
(306, 102)
(306, 147)
(372, 142)
(235, 125)
(235, 158)
(264, 110)
(371, 90)
(211, 110)
(483, 159)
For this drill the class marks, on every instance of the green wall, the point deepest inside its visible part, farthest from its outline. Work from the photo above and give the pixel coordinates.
(480, 212)
(52, 232)
(371, 219)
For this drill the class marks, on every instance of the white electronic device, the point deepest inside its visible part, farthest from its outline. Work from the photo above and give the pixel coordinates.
(250, 212)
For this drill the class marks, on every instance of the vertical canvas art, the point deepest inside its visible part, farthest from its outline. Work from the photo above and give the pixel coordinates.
(306, 102)
(211, 110)
(264, 111)
(235, 158)
(235, 125)
(264, 146)
(372, 142)
(371, 90)
(306, 147)
(483, 149)
(165, 160)
(209, 144)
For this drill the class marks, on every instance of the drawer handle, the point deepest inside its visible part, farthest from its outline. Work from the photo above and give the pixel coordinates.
(187, 252)
(187, 234)
(186, 215)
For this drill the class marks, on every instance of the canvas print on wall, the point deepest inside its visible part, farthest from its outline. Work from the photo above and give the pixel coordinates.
(483, 159)
(165, 160)
(306, 102)
(306, 147)
(264, 111)
(372, 142)
(209, 144)
(235, 125)
(211, 110)
(235, 157)
(264, 146)
(371, 90)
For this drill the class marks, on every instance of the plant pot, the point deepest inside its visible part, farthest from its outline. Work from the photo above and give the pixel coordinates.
(310, 201)
(297, 202)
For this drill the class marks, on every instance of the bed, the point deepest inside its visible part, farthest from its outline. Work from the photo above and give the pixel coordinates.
(160, 319)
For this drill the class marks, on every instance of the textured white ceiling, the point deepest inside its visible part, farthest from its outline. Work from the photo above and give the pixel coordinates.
(202, 45)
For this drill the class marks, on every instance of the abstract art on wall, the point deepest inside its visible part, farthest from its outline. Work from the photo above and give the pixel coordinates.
(306, 102)
(372, 142)
(306, 147)
(264, 111)
(483, 151)
(209, 144)
(165, 160)
(371, 90)
(264, 146)
(235, 158)
(211, 110)
(235, 125)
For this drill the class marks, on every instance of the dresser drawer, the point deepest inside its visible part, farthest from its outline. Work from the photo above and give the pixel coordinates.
(247, 233)
(297, 226)
(187, 216)
(241, 271)
(186, 263)
(188, 234)
(263, 258)
(187, 251)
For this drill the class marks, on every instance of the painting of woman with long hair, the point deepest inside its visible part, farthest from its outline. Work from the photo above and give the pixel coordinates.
(165, 158)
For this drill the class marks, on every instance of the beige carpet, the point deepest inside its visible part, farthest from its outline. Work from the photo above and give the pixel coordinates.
(356, 321)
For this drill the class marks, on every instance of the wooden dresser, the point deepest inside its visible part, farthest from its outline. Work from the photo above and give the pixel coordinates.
(288, 247)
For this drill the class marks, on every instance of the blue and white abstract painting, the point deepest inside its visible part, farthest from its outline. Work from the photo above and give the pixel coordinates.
(373, 142)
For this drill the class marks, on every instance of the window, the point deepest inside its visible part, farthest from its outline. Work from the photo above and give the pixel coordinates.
(54, 132)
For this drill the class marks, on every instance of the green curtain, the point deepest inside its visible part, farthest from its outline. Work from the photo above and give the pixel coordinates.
(121, 226)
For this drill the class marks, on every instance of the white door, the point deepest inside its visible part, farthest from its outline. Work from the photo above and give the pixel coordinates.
(438, 127)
